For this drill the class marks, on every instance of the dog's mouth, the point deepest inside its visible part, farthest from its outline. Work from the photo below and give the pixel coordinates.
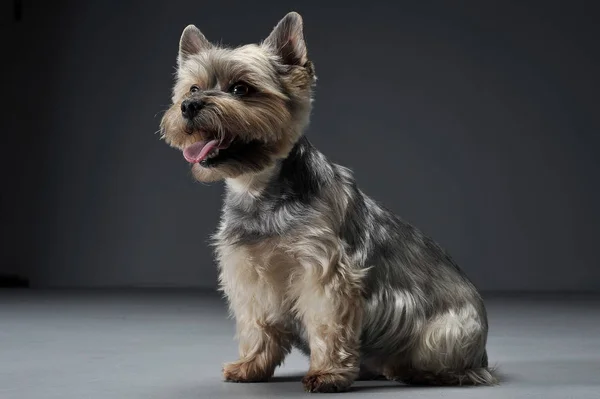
(207, 152)
(213, 152)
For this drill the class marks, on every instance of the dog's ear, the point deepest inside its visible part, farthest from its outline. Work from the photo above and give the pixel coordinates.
(287, 40)
(192, 42)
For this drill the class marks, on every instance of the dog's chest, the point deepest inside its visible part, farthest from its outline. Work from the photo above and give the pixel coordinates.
(264, 283)
(266, 271)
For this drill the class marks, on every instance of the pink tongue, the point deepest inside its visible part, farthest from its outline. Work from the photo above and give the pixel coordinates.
(198, 151)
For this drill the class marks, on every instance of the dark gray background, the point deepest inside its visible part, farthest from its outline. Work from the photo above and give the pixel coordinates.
(477, 121)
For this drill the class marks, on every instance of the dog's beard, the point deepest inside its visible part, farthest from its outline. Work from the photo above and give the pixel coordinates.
(220, 144)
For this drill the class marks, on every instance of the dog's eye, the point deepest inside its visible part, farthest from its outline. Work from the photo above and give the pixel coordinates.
(194, 89)
(239, 89)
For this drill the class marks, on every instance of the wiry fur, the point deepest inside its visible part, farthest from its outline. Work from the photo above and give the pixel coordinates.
(307, 259)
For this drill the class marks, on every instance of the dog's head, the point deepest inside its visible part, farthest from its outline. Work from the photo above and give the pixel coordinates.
(238, 110)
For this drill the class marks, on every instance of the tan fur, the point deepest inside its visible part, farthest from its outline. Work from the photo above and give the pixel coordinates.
(250, 184)
(251, 284)
(297, 286)
(332, 314)
(304, 277)
(263, 117)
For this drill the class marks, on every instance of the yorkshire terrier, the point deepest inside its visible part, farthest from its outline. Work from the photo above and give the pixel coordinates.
(306, 259)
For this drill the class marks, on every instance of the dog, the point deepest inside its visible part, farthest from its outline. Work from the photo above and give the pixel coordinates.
(306, 259)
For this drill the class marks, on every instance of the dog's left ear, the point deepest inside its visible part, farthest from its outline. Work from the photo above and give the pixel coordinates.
(287, 40)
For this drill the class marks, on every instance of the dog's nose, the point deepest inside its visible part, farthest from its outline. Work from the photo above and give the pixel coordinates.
(190, 108)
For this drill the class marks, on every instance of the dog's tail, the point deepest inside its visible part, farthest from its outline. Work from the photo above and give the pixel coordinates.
(482, 375)
(474, 376)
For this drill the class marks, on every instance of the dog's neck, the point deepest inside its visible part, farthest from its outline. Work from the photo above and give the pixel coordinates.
(251, 184)
(298, 177)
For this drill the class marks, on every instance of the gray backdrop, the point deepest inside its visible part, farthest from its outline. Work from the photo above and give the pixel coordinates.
(477, 121)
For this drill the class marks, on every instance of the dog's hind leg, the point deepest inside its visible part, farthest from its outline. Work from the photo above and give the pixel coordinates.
(450, 351)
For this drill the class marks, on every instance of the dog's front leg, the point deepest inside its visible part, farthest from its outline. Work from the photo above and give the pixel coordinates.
(262, 348)
(332, 314)
(257, 303)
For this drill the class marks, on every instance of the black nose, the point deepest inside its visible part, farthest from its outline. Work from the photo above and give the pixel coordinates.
(190, 108)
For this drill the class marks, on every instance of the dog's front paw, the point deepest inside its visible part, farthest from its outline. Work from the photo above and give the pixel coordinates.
(245, 371)
(327, 382)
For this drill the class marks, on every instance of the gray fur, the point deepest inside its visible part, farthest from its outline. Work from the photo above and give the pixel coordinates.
(289, 210)
(410, 280)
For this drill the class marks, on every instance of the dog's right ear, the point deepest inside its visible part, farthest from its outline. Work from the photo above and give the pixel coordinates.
(192, 42)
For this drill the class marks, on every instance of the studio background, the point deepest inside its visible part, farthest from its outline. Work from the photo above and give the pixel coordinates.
(478, 122)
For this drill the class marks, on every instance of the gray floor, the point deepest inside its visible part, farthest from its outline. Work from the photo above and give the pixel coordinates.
(170, 345)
